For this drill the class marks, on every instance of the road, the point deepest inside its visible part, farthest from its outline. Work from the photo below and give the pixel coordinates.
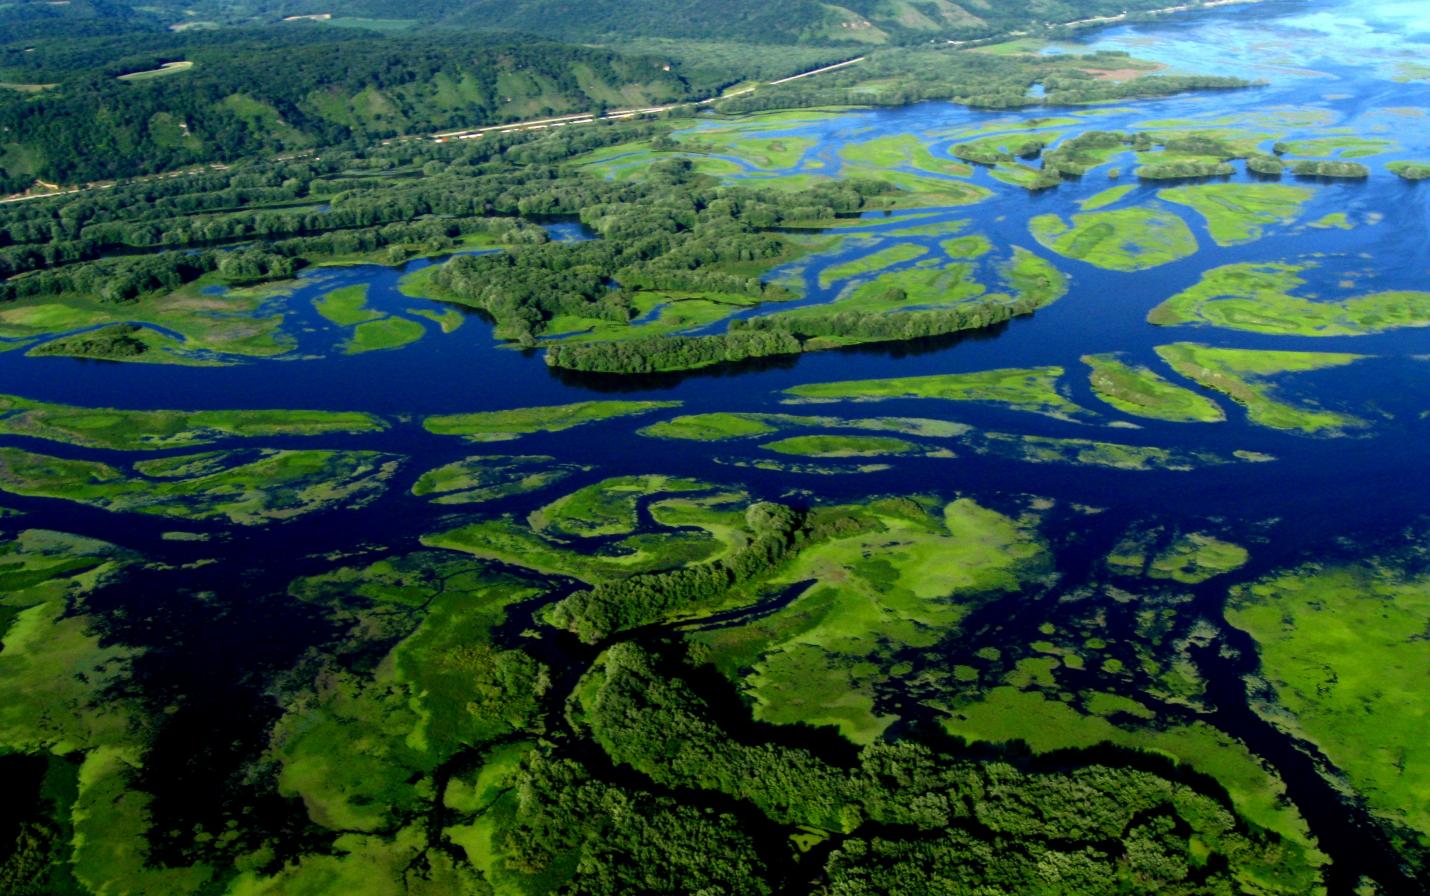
(541, 124)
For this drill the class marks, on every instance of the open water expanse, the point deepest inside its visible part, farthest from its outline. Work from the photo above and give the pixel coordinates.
(1331, 67)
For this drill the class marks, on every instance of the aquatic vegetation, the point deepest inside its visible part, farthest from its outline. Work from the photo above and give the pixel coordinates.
(1141, 392)
(1007, 713)
(1341, 146)
(1026, 389)
(1132, 239)
(442, 688)
(1110, 196)
(875, 261)
(608, 507)
(347, 307)
(208, 327)
(503, 426)
(1343, 657)
(899, 150)
(843, 446)
(1095, 453)
(1258, 298)
(714, 427)
(1246, 377)
(892, 574)
(1190, 558)
(144, 430)
(245, 488)
(723, 426)
(477, 479)
(383, 334)
(1239, 213)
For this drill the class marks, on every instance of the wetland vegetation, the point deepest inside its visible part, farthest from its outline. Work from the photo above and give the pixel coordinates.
(849, 530)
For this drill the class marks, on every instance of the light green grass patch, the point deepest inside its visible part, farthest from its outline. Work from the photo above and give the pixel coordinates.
(132, 430)
(1246, 376)
(1132, 239)
(1141, 392)
(1344, 651)
(1238, 213)
(1258, 298)
(1026, 389)
(501, 426)
(474, 480)
(1110, 196)
(826, 446)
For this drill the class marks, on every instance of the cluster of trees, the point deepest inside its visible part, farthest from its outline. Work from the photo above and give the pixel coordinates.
(974, 79)
(609, 607)
(1311, 168)
(901, 817)
(254, 93)
(784, 334)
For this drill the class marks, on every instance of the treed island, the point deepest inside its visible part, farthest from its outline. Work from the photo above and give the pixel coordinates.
(461, 447)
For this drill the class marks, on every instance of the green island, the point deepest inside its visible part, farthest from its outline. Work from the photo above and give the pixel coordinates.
(1259, 298)
(842, 446)
(478, 479)
(244, 487)
(503, 426)
(1141, 392)
(1246, 377)
(1132, 239)
(139, 430)
(1034, 390)
(1411, 171)
(1239, 213)
(1190, 558)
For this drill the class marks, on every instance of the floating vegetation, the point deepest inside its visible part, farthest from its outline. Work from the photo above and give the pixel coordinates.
(1190, 558)
(843, 446)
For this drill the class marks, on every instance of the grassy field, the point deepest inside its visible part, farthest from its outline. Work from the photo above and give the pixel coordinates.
(905, 580)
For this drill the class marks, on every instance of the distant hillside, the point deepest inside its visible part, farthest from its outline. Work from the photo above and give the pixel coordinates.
(809, 22)
(244, 96)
